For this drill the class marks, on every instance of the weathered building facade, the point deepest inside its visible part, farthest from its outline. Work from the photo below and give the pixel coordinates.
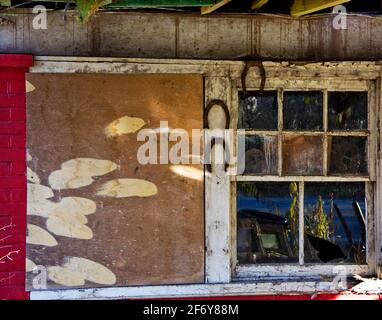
(176, 227)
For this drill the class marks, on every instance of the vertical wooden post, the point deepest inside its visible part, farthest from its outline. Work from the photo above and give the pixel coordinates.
(371, 187)
(378, 200)
(301, 224)
(217, 199)
(325, 138)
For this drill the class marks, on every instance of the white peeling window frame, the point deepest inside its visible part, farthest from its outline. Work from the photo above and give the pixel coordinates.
(222, 82)
(301, 269)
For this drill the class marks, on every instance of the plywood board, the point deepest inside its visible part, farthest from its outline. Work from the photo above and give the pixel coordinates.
(96, 216)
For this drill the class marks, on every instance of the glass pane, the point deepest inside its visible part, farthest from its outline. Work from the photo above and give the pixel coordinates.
(258, 110)
(347, 110)
(260, 154)
(302, 155)
(267, 222)
(347, 155)
(335, 222)
(303, 110)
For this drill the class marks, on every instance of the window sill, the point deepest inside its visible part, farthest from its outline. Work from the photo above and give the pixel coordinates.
(295, 271)
(244, 288)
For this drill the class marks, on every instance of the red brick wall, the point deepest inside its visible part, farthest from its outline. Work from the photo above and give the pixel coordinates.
(12, 175)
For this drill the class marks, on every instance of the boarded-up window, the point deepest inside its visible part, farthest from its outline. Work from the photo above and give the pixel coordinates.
(96, 216)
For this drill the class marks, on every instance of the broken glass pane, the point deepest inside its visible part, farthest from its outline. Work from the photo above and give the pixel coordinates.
(347, 110)
(347, 155)
(258, 110)
(260, 154)
(267, 222)
(303, 110)
(302, 155)
(335, 218)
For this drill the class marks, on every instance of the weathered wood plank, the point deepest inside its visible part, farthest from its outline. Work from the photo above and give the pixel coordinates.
(207, 290)
(296, 271)
(378, 200)
(302, 178)
(217, 195)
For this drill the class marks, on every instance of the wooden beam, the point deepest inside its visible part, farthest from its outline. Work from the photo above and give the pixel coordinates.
(303, 7)
(210, 9)
(257, 4)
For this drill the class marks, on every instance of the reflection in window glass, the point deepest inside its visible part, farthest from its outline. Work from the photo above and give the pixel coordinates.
(302, 155)
(347, 155)
(303, 110)
(260, 154)
(347, 110)
(258, 110)
(267, 222)
(335, 222)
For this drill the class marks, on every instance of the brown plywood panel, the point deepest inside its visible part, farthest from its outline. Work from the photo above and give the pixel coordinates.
(154, 232)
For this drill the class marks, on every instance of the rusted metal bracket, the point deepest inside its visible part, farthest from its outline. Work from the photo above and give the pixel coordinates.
(216, 140)
(248, 65)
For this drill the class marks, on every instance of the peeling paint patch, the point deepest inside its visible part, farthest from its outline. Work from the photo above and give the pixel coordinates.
(72, 227)
(79, 172)
(29, 87)
(29, 265)
(67, 179)
(39, 207)
(91, 271)
(39, 236)
(65, 218)
(65, 277)
(76, 270)
(120, 188)
(67, 205)
(38, 192)
(77, 205)
(29, 157)
(32, 176)
(123, 125)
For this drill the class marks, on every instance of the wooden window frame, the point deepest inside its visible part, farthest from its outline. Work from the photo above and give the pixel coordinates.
(301, 269)
(222, 80)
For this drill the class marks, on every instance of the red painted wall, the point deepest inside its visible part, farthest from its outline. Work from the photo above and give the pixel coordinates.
(12, 175)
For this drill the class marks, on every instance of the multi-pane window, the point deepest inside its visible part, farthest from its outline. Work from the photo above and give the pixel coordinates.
(302, 195)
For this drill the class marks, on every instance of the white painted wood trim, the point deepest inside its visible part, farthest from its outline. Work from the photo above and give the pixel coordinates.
(190, 290)
(301, 178)
(293, 271)
(363, 133)
(289, 75)
(370, 227)
(217, 200)
(301, 224)
(293, 65)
